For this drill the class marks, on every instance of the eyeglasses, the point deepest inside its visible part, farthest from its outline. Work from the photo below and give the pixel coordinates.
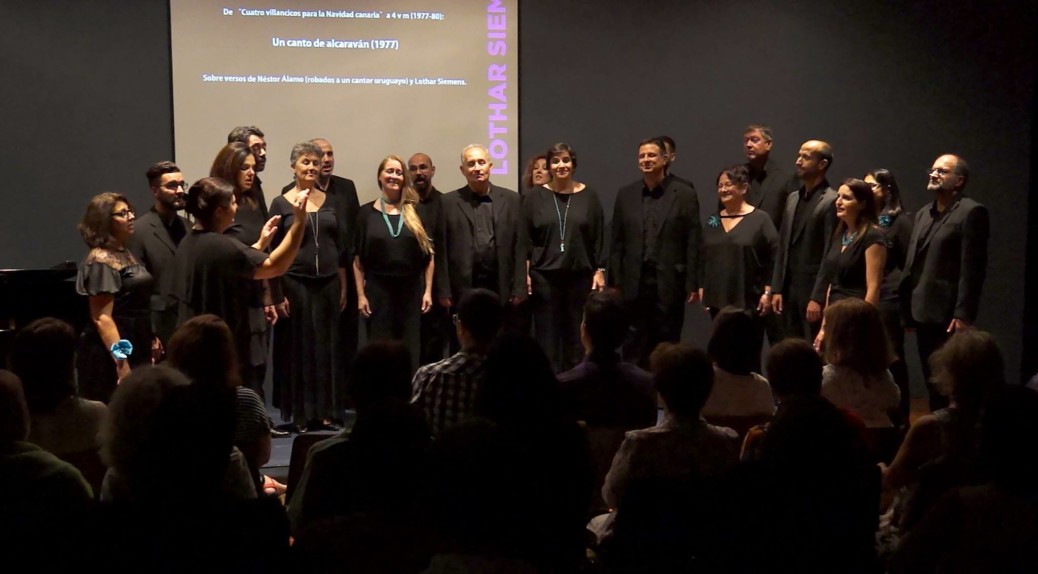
(122, 213)
(938, 171)
(175, 185)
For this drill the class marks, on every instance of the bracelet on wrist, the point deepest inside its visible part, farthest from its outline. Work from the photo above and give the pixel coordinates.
(121, 350)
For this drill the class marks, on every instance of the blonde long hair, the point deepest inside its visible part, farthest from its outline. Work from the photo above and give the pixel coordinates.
(409, 198)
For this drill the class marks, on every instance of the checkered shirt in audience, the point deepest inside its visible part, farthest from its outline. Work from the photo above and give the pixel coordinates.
(446, 390)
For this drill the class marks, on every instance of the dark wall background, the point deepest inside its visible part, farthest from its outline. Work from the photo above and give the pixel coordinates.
(87, 106)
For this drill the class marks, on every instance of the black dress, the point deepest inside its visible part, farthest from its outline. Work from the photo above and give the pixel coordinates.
(394, 276)
(249, 220)
(307, 343)
(120, 274)
(212, 273)
(843, 272)
(562, 265)
(898, 231)
(738, 264)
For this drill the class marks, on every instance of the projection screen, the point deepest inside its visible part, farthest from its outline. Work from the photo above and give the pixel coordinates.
(373, 78)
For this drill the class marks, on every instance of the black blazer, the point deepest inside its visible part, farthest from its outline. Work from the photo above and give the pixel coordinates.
(152, 245)
(679, 241)
(801, 250)
(944, 272)
(456, 257)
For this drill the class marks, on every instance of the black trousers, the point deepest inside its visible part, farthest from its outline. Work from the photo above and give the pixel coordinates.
(794, 318)
(653, 321)
(558, 308)
(929, 337)
(396, 310)
(437, 332)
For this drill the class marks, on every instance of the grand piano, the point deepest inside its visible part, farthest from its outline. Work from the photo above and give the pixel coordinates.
(28, 294)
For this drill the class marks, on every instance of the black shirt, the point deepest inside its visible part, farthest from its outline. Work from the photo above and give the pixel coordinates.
(483, 223)
(769, 188)
(843, 270)
(319, 254)
(807, 201)
(545, 214)
(212, 273)
(738, 264)
(652, 220)
(898, 232)
(382, 254)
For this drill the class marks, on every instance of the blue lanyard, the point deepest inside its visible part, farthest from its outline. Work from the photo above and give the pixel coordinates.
(399, 223)
(562, 221)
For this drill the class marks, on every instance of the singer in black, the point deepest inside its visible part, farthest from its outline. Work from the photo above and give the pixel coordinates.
(307, 342)
(739, 245)
(393, 264)
(562, 236)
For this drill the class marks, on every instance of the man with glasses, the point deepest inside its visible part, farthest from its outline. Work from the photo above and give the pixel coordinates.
(946, 263)
(158, 233)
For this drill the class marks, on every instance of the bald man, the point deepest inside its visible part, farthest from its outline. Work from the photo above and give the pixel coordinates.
(481, 226)
(436, 326)
(946, 263)
(807, 228)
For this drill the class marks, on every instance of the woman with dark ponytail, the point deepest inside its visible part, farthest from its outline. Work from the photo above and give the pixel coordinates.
(212, 270)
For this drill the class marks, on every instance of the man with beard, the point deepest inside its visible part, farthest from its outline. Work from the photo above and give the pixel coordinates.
(155, 242)
(436, 327)
(807, 228)
(481, 238)
(654, 258)
(946, 264)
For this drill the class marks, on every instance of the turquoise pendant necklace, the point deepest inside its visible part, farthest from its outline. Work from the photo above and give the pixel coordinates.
(399, 223)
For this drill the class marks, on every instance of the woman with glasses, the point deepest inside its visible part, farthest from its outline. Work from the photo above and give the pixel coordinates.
(118, 289)
(896, 225)
(739, 245)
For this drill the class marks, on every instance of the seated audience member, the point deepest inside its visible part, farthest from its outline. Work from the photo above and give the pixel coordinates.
(682, 444)
(603, 390)
(509, 489)
(167, 520)
(939, 451)
(376, 465)
(857, 350)
(738, 391)
(203, 349)
(44, 498)
(446, 390)
(991, 527)
(794, 370)
(43, 357)
(809, 504)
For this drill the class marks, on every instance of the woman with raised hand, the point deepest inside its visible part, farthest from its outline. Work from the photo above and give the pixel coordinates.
(563, 238)
(212, 270)
(393, 264)
(118, 288)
